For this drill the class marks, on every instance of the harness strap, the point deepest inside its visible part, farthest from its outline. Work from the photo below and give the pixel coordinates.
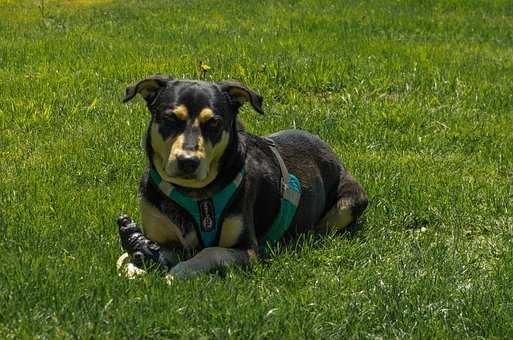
(283, 167)
(206, 213)
(290, 195)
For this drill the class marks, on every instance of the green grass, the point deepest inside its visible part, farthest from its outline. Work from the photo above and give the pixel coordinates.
(415, 96)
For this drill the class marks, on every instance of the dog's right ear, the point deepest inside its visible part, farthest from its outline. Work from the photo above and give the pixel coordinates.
(148, 88)
(241, 94)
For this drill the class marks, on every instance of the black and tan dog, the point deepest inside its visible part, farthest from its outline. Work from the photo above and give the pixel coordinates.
(225, 194)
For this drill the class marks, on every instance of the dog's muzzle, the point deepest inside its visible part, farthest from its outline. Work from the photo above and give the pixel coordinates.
(187, 164)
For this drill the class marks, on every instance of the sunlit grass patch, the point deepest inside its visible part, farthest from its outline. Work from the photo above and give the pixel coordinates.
(81, 2)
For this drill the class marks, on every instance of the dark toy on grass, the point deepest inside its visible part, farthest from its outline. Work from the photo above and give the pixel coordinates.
(224, 194)
(142, 251)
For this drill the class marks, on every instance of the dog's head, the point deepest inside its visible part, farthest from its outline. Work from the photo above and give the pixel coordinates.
(191, 123)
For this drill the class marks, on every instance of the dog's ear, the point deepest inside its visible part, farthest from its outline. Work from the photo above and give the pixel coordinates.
(241, 94)
(148, 88)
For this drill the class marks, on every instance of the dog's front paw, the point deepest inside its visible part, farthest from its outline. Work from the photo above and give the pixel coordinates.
(180, 272)
(127, 268)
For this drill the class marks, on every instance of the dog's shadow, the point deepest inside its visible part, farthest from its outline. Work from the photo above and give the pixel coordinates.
(353, 230)
(314, 240)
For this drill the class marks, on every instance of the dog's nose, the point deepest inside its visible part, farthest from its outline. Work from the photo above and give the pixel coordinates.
(187, 163)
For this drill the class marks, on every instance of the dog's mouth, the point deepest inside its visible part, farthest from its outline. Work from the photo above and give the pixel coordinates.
(185, 175)
(173, 176)
(196, 179)
(174, 172)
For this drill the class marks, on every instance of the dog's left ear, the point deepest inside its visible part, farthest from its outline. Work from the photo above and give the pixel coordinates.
(148, 88)
(241, 94)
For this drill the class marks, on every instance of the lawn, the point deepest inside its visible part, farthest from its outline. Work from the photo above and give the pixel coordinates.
(415, 96)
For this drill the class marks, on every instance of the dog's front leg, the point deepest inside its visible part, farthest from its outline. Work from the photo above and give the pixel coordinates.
(209, 259)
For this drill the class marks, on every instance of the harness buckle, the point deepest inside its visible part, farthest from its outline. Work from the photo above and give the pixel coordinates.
(284, 186)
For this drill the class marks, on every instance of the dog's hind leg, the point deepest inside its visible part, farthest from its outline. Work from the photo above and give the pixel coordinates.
(352, 201)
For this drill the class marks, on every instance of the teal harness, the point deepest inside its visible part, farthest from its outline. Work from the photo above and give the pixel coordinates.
(208, 213)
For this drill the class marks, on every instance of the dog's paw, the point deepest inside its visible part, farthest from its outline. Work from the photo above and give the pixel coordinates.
(180, 272)
(127, 268)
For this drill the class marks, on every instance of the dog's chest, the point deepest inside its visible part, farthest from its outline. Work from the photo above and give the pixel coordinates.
(159, 227)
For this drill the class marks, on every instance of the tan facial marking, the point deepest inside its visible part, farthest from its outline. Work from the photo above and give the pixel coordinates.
(213, 155)
(205, 115)
(181, 112)
(201, 148)
(160, 146)
(177, 147)
(207, 170)
(231, 230)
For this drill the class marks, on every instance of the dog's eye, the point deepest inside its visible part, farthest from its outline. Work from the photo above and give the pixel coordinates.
(170, 118)
(215, 124)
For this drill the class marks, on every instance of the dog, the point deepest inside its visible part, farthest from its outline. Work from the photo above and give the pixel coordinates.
(223, 194)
